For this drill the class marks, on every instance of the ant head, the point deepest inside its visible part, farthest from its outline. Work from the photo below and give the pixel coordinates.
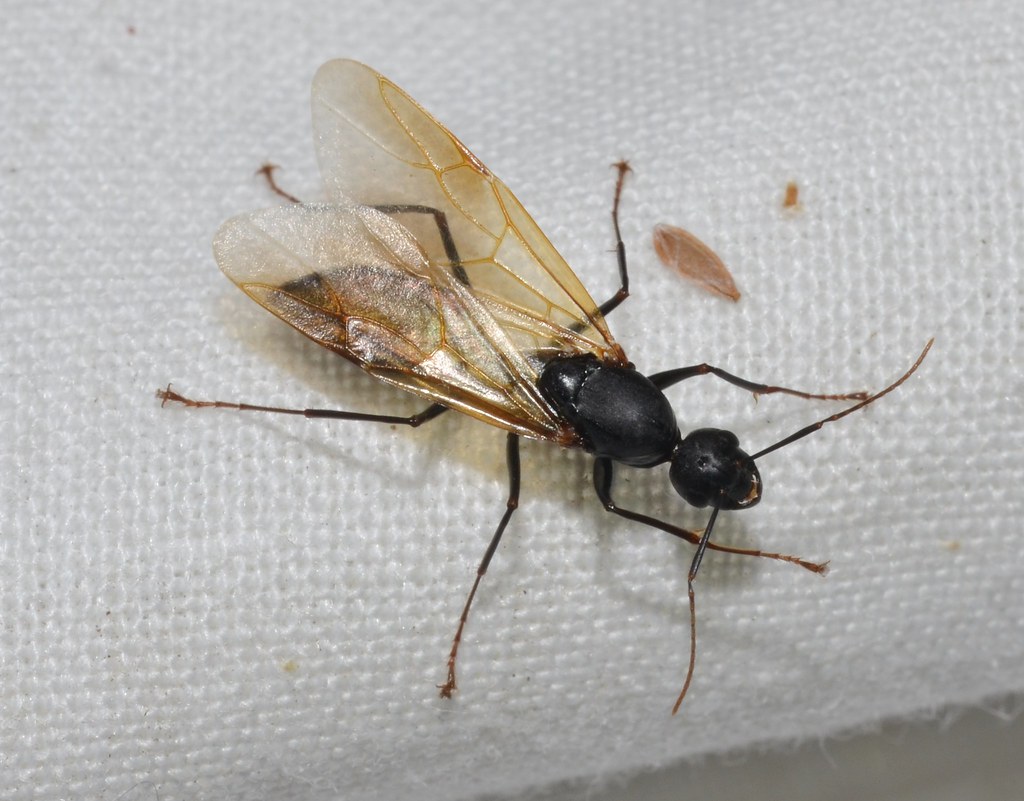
(709, 469)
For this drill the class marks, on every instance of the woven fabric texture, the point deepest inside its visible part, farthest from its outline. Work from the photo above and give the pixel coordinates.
(212, 605)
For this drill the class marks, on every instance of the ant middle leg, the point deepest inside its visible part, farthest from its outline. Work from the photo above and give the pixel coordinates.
(512, 457)
(620, 248)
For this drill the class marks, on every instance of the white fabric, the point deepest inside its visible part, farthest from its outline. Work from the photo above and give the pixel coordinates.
(218, 605)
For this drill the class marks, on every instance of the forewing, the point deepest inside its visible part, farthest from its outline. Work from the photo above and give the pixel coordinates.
(692, 259)
(356, 281)
(376, 146)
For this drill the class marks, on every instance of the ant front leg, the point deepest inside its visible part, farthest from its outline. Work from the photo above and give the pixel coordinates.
(669, 377)
(603, 474)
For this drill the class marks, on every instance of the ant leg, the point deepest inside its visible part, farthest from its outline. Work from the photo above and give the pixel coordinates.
(667, 378)
(620, 249)
(267, 171)
(603, 472)
(442, 227)
(512, 458)
(808, 430)
(414, 420)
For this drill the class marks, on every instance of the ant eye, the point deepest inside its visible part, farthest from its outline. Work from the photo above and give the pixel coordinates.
(709, 469)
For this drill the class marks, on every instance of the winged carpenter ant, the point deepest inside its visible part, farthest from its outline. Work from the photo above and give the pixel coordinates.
(423, 269)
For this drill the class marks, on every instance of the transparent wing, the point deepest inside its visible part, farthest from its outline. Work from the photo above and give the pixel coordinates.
(692, 259)
(376, 146)
(355, 280)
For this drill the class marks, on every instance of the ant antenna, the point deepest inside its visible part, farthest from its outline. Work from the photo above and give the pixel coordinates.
(706, 536)
(803, 432)
(694, 567)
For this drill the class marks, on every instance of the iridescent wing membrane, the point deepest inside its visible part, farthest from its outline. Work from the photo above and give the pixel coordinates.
(383, 290)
